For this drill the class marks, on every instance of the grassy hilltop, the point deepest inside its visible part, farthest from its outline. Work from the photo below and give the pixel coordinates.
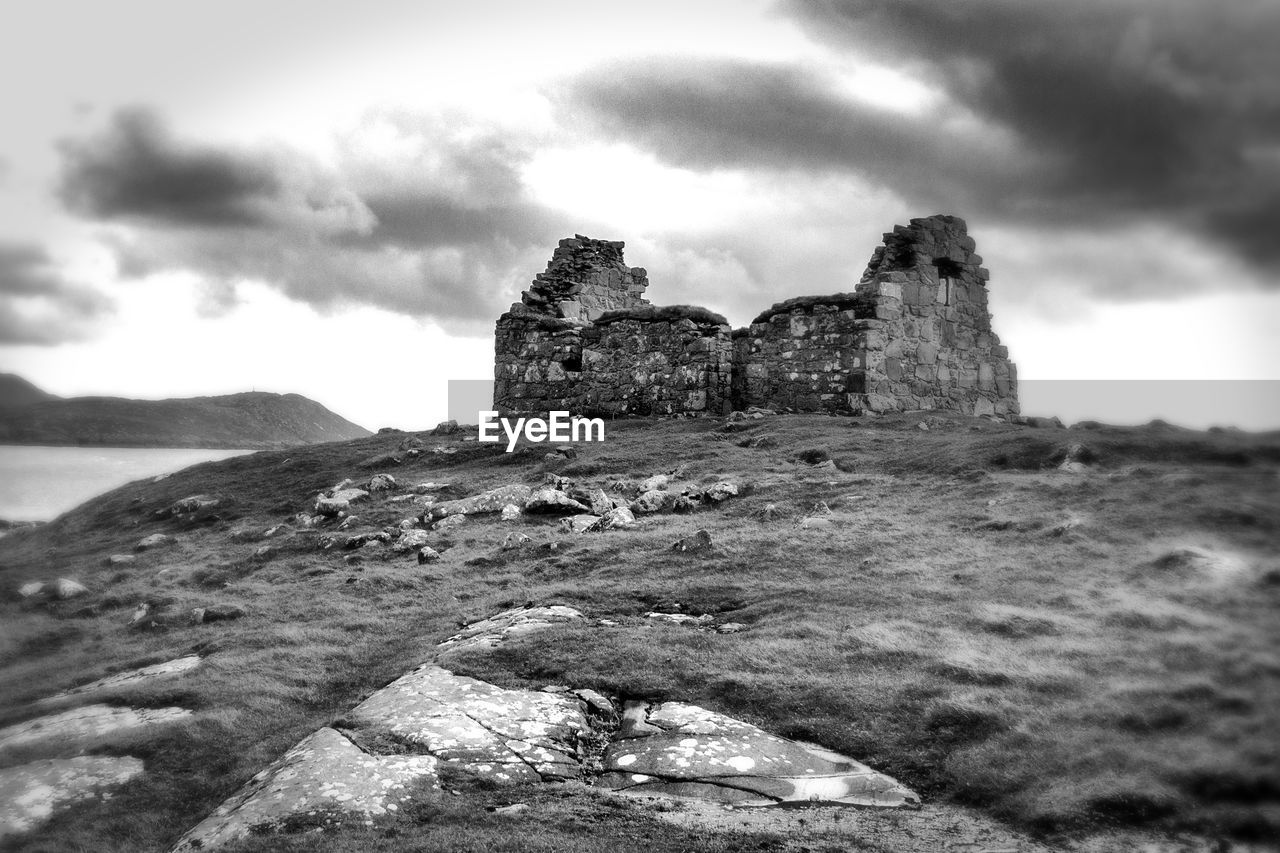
(1070, 653)
(253, 419)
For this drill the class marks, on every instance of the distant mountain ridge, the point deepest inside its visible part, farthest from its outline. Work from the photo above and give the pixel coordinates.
(16, 391)
(250, 420)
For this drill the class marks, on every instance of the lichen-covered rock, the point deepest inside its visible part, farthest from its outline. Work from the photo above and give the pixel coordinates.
(410, 540)
(617, 518)
(338, 501)
(494, 631)
(720, 492)
(191, 504)
(155, 540)
(503, 735)
(325, 778)
(675, 749)
(548, 501)
(698, 542)
(580, 523)
(427, 554)
(64, 588)
(449, 521)
(86, 722)
(657, 481)
(653, 500)
(511, 512)
(380, 483)
(31, 793)
(491, 501)
(119, 680)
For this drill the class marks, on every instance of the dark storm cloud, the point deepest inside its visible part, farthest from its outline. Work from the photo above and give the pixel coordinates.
(37, 304)
(443, 232)
(708, 114)
(137, 170)
(1079, 113)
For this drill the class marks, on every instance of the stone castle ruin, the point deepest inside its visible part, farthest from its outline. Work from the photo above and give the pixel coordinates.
(913, 334)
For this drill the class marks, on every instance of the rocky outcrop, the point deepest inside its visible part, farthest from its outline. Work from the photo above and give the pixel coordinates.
(494, 500)
(86, 723)
(325, 778)
(31, 793)
(393, 746)
(676, 749)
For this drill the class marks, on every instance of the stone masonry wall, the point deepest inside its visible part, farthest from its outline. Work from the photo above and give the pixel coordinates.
(584, 279)
(914, 334)
(640, 366)
(803, 355)
(930, 344)
(537, 343)
(537, 364)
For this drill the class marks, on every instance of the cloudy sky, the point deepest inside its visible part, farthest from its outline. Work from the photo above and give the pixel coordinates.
(339, 198)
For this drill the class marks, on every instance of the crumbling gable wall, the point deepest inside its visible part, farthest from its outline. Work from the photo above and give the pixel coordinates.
(930, 343)
(538, 343)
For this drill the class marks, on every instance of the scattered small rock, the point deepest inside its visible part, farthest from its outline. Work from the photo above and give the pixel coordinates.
(427, 554)
(553, 501)
(155, 540)
(720, 492)
(121, 559)
(650, 501)
(380, 483)
(411, 540)
(618, 517)
(514, 540)
(700, 541)
(579, 523)
(656, 482)
(216, 613)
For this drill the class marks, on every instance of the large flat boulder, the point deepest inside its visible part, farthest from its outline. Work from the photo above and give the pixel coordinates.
(30, 793)
(507, 735)
(518, 621)
(676, 749)
(325, 778)
(86, 722)
(493, 500)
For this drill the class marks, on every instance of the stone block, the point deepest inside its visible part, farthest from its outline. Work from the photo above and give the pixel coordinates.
(986, 377)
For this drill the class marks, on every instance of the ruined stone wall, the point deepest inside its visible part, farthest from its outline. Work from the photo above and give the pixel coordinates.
(537, 343)
(537, 364)
(930, 344)
(656, 362)
(584, 279)
(803, 355)
(914, 334)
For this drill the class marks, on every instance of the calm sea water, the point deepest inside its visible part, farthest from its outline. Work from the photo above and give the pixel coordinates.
(40, 483)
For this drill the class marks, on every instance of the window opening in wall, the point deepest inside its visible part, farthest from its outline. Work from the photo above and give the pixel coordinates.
(948, 272)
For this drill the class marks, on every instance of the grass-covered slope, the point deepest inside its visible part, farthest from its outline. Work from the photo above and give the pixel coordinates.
(986, 630)
(248, 420)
